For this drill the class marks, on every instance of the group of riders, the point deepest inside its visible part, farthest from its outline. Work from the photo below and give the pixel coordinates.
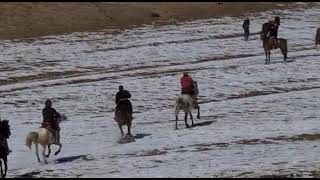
(51, 116)
(188, 86)
(270, 28)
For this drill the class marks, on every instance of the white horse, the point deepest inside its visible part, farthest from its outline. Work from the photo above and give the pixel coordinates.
(186, 103)
(45, 138)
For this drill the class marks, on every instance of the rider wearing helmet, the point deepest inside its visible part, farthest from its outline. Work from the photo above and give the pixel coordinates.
(50, 115)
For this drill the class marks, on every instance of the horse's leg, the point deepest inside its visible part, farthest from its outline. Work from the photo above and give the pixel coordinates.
(44, 148)
(269, 54)
(266, 53)
(120, 126)
(185, 119)
(191, 117)
(177, 113)
(49, 151)
(5, 166)
(1, 169)
(129, 127)
(37, 150)
(284, 48)
(198, 115)
(60, 146)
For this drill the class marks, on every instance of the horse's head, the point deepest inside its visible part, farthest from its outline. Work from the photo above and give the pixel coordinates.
(5, 128)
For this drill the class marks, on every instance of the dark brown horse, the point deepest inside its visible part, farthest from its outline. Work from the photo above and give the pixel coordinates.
(318, 38)
(5, 134)
(123, 117)
(269, 43)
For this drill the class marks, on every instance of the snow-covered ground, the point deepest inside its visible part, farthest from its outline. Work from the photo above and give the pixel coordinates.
(256, 119)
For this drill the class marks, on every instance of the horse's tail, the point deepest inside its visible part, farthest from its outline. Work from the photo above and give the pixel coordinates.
(31, 137)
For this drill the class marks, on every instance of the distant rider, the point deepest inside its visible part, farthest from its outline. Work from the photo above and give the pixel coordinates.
(188, 86)
(51, 116)
(122, 97)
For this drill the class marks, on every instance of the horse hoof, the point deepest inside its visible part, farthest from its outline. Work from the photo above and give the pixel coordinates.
(47, 156)
(187, 126)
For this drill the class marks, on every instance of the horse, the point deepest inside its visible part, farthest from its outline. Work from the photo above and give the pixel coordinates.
(45, 138)
(5, 134)
(268, 44)
(123, 117)
(317, 40)
(187, 103)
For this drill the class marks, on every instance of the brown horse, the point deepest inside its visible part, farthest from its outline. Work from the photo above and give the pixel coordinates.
(318, 38)
(268, 44)
(123, 117)
(5, 133)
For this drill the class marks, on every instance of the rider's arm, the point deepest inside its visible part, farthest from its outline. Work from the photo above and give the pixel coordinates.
(128, 94)
(56, 114)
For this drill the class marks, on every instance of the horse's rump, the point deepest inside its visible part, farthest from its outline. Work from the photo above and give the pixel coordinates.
(184, 101)
(123, 112)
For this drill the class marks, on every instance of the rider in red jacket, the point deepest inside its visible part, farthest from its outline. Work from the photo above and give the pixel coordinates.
(187, 85)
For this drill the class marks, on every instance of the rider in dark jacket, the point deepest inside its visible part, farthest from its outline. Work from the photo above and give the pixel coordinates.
(123, 96)
(51, 116)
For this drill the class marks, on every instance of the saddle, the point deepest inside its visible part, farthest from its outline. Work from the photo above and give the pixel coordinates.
(49, 127)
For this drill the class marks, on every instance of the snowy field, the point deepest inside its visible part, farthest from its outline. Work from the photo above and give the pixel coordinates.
(256, 119)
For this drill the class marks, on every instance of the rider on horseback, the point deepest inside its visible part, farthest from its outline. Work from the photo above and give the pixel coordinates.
(122, 97)
(4, 135)
(50, 116)
(188, 86)
(273, 29)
